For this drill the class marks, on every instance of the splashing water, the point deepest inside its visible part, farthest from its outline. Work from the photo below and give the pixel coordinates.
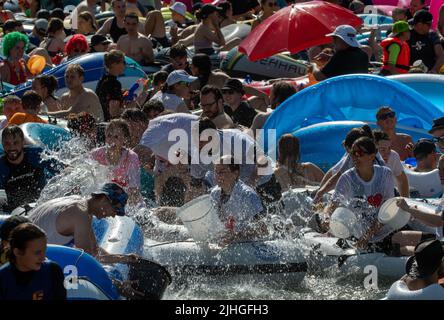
(83, 176)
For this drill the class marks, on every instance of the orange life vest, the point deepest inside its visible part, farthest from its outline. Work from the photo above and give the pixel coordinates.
(403, 62)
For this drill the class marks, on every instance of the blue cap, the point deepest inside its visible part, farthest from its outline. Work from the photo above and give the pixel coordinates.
(116, 195)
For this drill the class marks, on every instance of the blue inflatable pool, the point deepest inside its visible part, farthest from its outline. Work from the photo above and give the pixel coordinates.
(321, 143)
(350, 97)
(375, 19)
(94, 69)
(431, 86)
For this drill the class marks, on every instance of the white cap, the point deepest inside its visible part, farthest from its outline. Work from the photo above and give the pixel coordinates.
(346, 33)
(179, 8)
(179, 76)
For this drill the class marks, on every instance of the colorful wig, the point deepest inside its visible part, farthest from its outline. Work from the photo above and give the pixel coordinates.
(77, 41)
(11, 39)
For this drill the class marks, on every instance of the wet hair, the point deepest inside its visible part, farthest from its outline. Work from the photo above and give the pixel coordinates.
(281, 91)
(58, 13)
(366, 144)
(205, 123)
(113, 57)
(12, 131)
(380, 135)
(87, 16)
(77, 41)
(9, 224)
(131, 15)
(54, 25)
(76, 68)
(31, 100)
(356, 133)
(228, 160)
(178, 51)
(289, 151)
(81, 122)
(114, 1)
(225, 6)
(13, 99)
(119, 124)
(203, 63)
(49, 82)
(212, 89)
(20, 236)
(153, 105)
(11, 40)
(43, 14)
(160, 77)
(135, 115)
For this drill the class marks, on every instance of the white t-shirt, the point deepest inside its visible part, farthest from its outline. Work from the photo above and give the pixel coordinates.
(240, 209)
(376, 191)
(346, 163)
(394, 163)
(170, 101)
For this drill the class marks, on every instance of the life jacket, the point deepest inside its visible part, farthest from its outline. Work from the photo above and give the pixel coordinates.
(39, 288)
(403, 62)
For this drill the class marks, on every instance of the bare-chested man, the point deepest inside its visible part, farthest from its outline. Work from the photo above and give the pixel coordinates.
(78, 98)
(115, 26)
(134, 44)
(401, 143)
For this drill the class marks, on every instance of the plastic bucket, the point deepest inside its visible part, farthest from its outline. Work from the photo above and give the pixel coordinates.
(390, 214)
(343, 223)
(152, 279)
(201, 219)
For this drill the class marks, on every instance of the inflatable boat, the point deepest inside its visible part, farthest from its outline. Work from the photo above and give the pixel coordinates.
(237, 65)
(94, 68)
(279, 263)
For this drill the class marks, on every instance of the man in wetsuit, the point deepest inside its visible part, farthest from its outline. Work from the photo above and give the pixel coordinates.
(23, 173)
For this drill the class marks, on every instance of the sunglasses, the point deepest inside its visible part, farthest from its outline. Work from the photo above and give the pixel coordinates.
(385, 116)
(272, 4)
(184, 83)
(207, 105)
(438, 139)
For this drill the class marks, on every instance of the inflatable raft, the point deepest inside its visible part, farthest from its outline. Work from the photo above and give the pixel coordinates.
(275, 262)
(236, 64)
(94, 69)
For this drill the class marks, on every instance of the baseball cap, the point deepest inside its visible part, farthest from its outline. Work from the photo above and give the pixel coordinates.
(115, 194)
(400, 26)
(179, 76)
(179, 8)
(422, 16)
(233, 84)
(99, 39)
(426, 260)
(423, 148)
(41, 25)
(346, 33)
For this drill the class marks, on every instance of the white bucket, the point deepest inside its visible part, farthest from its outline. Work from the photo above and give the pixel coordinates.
(201, 219)
(390, 214)
(344, 224)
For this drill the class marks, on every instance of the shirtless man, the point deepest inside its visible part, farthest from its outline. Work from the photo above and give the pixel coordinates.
(68, 220)
(401, 143)
(78, 98)
(134, 44)
(115, 26)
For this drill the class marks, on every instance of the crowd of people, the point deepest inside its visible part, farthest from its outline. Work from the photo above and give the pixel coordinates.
(146, 166)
